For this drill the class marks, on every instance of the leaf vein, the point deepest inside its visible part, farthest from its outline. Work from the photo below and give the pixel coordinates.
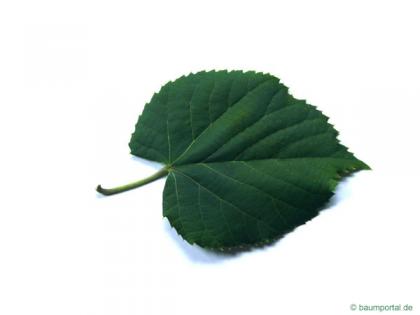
(210, 125)
(255, 187)
(177, 202)
(189, 106)
(279, 178)
(248, 148)
(228, 202)
(245, 129)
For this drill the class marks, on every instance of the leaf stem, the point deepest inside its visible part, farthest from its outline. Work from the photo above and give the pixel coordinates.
(116, 190)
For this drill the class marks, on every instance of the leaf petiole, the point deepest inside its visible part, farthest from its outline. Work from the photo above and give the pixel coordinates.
(116, 190)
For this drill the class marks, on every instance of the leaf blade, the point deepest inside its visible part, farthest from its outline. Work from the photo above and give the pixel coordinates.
(247, 161)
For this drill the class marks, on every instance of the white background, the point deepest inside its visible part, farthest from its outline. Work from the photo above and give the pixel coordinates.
(74, 76)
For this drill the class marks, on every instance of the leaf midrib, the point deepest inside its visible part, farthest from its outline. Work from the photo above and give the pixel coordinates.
(226, 201)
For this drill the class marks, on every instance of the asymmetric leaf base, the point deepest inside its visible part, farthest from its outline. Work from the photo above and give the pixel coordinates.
(245, 161)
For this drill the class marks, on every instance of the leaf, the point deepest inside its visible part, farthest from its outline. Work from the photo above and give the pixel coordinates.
(246, 161)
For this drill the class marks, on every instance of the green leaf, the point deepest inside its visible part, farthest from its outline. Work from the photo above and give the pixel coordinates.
(246, 161)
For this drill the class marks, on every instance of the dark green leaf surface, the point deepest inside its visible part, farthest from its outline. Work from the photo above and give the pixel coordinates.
(247, 162)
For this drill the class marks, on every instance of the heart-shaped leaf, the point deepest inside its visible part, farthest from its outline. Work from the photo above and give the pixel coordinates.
(246, 161)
